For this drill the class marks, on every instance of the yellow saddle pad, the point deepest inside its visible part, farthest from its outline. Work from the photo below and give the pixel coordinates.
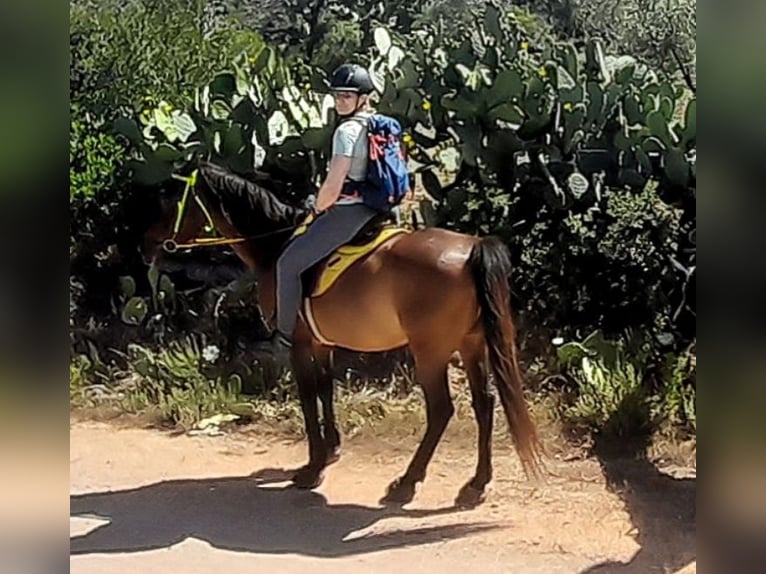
(328, 271)
(344, 257)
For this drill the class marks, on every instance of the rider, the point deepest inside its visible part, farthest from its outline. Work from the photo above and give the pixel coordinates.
(340, 214)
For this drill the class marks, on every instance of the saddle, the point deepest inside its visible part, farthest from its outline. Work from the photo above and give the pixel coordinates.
(319, 278)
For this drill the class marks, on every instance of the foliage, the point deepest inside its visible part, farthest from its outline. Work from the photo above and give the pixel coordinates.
(341, 43)
(124, 55)
(125, 52)
(98, 202)
(608, 400)
(607, 267)
(172, 381)
(678, 401)
(95, 156)
(569, 156)
(566, 117)
(574, 121)
(610, 392)
(322, 33)
(79, 367)
(186, 385)
(661, 33)
(250, 117)
(622, 387)
(580, 155)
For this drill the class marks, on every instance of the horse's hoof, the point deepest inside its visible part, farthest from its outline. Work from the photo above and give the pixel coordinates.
(308, 477)
(399, 492)
(470, 497)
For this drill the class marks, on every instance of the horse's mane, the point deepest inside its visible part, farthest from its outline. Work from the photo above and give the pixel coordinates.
(251, 208)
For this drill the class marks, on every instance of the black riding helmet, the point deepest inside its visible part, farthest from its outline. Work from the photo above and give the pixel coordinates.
(351, 78)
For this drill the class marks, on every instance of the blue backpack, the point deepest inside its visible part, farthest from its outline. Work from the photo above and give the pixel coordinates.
(387, 180)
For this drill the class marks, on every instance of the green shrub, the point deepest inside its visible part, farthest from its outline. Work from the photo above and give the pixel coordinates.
(124, 53)
(518, 113)
(95, 156)
(610, 391)
(621, 387)
(604, 266)
(677, 400)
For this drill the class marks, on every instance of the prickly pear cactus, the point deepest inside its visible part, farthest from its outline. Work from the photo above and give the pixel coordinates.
(488, 98)
(483, 96)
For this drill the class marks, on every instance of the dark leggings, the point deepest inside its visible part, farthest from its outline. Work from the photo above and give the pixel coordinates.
(330, 230)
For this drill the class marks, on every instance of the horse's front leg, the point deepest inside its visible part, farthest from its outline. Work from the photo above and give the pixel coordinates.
(326, 390)
(311, 475)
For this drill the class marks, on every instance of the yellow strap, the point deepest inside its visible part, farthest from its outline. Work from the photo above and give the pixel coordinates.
(208, 241)
(191, 182)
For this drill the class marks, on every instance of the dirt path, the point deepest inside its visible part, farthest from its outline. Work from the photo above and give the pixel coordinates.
(146, 502)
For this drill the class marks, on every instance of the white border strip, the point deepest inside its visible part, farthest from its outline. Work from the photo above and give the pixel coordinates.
(309, 315)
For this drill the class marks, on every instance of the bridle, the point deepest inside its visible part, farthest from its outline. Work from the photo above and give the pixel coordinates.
(172, 246)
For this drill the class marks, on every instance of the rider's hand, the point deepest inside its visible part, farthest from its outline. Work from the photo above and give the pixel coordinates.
(323, 204)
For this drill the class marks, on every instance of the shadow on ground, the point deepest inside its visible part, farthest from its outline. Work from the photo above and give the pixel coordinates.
(663, 509)
(251, 514)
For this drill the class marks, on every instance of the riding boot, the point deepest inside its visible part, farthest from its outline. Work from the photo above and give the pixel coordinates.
(277, 346)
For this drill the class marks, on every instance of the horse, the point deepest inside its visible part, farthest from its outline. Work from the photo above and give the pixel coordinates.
(436, 291)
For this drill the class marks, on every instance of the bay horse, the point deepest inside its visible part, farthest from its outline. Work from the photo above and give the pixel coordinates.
(433, 290)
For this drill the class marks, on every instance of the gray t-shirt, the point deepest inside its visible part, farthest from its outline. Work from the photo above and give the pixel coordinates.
(350, 140)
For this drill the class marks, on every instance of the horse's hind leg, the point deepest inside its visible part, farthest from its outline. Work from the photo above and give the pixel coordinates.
(432, 376)
(483, 401)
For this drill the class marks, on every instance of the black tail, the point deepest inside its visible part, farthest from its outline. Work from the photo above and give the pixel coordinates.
(491, 268)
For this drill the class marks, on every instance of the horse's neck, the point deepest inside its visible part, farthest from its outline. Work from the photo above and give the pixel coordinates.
(259, 254)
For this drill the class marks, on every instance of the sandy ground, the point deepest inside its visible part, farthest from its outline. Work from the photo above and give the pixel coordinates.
(146, 501)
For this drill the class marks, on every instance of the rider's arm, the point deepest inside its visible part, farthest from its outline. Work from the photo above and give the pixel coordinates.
(333, 183)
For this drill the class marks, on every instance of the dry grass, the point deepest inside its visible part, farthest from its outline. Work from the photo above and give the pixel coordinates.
(368, 413)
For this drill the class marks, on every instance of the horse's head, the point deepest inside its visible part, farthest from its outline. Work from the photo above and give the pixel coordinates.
(213, 199)
(176, 220)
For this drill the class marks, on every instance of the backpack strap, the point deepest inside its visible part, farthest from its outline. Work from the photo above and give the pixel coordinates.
(351, 188)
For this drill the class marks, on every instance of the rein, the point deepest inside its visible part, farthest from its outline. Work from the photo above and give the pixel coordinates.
(171, 246)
